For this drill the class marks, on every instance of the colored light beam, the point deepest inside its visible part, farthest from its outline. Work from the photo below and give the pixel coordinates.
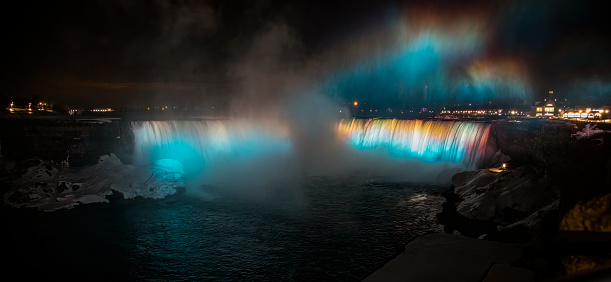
(446, 58)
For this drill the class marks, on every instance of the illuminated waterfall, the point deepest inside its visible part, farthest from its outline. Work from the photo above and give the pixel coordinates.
(431, 141)
(247, 151)
(203, 143)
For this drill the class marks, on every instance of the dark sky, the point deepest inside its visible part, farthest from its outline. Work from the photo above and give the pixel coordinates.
(140, 53)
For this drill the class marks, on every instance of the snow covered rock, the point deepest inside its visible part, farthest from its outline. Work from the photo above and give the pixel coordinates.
(505, 196)
(47, 188)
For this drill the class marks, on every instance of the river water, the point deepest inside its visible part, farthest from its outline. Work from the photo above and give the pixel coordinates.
(334, 229)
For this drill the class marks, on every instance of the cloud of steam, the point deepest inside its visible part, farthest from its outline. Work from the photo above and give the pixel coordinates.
(278, 84)
(271, 68)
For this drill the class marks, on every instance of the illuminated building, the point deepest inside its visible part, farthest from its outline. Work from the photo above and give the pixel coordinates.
(28, 107)
(588, 113)
(549, 107)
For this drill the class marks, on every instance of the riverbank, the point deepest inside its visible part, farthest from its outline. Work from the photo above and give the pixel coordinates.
(550, 201)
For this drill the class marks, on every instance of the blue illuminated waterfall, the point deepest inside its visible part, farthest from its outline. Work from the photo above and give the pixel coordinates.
(233, 148)
(199, 144)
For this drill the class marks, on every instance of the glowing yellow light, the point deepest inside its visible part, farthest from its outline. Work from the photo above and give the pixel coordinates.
(504, 166)
(356, 103)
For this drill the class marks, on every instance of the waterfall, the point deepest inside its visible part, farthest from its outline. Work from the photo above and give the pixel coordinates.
(202, 143)
(247, 152)
(431, 141)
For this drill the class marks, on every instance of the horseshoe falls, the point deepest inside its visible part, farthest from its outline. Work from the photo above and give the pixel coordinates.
(298, 197)
(238, 153)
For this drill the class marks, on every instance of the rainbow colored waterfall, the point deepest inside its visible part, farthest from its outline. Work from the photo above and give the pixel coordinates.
(206, 145)
(433, 141)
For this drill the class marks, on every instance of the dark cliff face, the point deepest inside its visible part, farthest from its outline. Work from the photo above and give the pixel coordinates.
(79, 141)
(581, 167)
(533, 141)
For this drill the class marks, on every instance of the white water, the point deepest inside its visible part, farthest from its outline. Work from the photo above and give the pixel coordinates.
(238, 153)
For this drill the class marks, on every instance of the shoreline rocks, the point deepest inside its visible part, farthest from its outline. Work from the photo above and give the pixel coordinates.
(505, 196)
(553, 198)
(49, 187)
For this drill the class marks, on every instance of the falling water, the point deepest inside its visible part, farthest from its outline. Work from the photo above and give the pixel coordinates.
(431, 141)
(244, 153)
(202, 143)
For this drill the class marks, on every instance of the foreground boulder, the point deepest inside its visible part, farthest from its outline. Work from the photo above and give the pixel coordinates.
(503, 196)
(593, 215)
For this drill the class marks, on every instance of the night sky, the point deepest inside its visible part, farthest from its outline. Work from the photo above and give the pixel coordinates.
(186, 53)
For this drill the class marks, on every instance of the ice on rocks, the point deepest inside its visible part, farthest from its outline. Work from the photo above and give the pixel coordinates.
(46, 187)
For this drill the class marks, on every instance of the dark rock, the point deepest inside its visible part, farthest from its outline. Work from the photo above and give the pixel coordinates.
(61, 187)
(502, 196)
(54, 139)
(18, 197)
(513, 215)
(31, 162)
(533, 141)
(453, 221)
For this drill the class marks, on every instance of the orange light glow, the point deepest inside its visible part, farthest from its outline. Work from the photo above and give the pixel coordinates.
(356, 103)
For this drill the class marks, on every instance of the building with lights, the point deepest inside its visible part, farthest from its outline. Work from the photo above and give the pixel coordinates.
(28, 107)
(588, 113)
(549, 107)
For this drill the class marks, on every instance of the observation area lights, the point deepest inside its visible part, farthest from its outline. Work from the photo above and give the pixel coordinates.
(590, 114)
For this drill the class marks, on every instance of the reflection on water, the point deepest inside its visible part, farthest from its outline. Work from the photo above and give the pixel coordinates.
(340, 229)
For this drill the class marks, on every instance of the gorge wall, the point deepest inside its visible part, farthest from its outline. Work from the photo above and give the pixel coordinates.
(576, 160)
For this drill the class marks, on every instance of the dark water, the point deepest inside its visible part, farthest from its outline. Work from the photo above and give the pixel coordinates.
(338, 229)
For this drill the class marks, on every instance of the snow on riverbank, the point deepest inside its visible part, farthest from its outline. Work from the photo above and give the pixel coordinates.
(49, 187)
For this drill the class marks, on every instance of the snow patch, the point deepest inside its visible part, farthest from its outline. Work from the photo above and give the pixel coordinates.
(50, 187)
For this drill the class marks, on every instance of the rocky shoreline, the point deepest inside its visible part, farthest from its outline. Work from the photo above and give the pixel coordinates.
(553, 198)
(47, 186)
